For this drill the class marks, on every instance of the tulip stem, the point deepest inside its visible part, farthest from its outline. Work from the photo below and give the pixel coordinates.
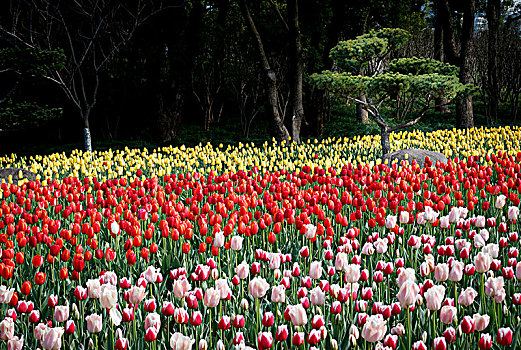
(210, 325)
(409, 335)
(257, 303)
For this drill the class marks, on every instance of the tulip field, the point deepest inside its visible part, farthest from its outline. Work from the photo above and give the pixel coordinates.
(312, 246)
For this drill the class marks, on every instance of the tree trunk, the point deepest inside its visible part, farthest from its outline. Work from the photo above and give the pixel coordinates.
(86, 133)
(277, 128)
(296, 71)
(386, 144)
(493, 13)
(361, 113)
(439, 55)
(464, 110)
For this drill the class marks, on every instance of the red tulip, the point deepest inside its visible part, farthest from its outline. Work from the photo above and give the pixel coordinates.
(504, 336)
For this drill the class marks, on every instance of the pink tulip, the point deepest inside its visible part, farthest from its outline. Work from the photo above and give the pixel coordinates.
(441, 272)
(258, 287)
(456, 271)
(94, 323)
(180, 342)
(467, 297)
(278, 294)
(481, 321)
(136, 294)
(242, 270)
(181, 287)
(315, 270)
(61, 313)
(374, 329)
(482, 262)
(236, 243)
(494, 286)
(212, 297)
(448, 314)
(15, 343)
(513, 213)
(298, 315)
(153, 320)
(317, 296)
(434, 297)
(7, 329)
(93, 288)
(408, 293)
(52, 340)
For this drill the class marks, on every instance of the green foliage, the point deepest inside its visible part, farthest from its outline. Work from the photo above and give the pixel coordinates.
(421, 65)
(27, 114)
(32, 61)
(412, 83)
(351, 55)
(354, 55)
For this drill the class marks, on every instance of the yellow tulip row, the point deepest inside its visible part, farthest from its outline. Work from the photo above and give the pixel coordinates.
(270, 156)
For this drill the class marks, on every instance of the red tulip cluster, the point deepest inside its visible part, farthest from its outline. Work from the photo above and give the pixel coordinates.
(398, 256)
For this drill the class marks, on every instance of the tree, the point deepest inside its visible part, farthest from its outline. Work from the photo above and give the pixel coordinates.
(277, 128)
(457, 21)
(89, 32)
(17, 64)
(410, 85)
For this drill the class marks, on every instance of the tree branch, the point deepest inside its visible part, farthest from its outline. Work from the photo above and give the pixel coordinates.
(279, 14)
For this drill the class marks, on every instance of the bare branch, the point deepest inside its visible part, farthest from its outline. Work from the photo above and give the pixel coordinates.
(279, 14)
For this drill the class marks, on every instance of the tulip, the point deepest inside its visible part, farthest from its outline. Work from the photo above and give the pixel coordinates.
(15, 343)
(181, 287)
(151, 334)
(468, 325)
(513, 213)
(196, 319)
(408, 293)
(70, 327)
(298, 315)
(282, 333)
(374, 329)
(481, 321)
(236, 243)
(448, 314)
(441, 272)
(485, 342)
(317, 296)
(7, 329)
(450, 335)
(434, 297)
(258, 287)
(121, 344)
(93, 288)
(467, 297)
(137, 294)
(504, 336)
(439, 343)
(94, 323)
(61, 313)
(482, 262)
(239, 321)
(268, 319)
(52, 340)
(212, 297)
(278, 294)
(265, 340)
(315, 270)
(180, 342)
(298, 339)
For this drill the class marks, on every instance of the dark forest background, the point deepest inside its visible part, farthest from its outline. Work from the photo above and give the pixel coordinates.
(152, 72)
